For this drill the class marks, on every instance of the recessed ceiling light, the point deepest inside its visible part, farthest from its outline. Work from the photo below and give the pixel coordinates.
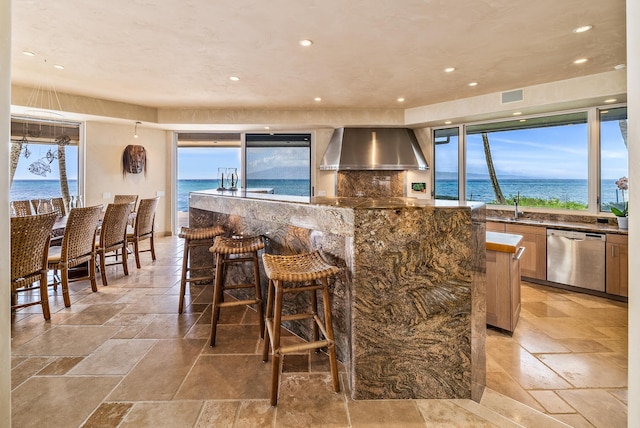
(517, 113)
(400, 100)
(449, 69)
(473, 84)
(305, 42)
(580, 61)
(266, 127)
(447, 122)
(610, 100)
(582, 29)
(620, 66)
(234, 78)
(28, 53)
(59, 67)
(523, 120)
(317, 99)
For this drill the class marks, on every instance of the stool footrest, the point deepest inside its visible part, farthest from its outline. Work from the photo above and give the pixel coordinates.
(199, 268)
(238, 303)
(237, 286)
(296, 317)
(198, 278)
(303, 346)
(301, 289)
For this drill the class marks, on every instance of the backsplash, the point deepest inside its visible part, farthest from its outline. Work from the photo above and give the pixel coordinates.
(370, 184)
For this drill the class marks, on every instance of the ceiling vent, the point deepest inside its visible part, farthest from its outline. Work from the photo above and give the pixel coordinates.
(512, 96)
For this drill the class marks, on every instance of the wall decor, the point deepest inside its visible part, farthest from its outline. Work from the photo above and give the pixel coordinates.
(134, 160)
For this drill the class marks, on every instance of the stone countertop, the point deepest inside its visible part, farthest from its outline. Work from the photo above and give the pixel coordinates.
(503, 242)
(562, 224)
(344, 202)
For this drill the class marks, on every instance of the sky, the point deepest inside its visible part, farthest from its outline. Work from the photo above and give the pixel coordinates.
(38, 153)
(546, 153)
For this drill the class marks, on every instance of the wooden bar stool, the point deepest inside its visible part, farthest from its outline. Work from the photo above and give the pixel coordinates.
(305, 268)
(195, 237)
(229, 251)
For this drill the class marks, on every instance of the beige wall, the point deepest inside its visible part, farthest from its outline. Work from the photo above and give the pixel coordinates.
(104, 144)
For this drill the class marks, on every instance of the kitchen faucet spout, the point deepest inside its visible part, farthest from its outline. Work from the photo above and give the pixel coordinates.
(516, 201)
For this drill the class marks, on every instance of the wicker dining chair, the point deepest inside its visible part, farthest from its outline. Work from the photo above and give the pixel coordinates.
(22, 208)
(29, 245)
(113, 237)
(125, 199)
(143, 228)
(78, 247)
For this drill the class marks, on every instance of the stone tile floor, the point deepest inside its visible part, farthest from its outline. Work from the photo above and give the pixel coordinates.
(123, 357)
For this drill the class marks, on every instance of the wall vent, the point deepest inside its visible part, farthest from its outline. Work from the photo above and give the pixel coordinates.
(512, 96)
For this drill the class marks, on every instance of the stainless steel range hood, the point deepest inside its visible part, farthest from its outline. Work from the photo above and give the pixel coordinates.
(373, 149)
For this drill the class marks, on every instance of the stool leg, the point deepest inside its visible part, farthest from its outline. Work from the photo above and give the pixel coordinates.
(314, 310)
(183, 280)
(275, 362)
(256, 276)
(217, 297)
(329, 326)
(269, 317)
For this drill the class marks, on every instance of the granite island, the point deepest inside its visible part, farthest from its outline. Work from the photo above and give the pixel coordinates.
(409, 304)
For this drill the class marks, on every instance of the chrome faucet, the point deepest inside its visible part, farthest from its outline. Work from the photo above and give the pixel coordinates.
(516, 201)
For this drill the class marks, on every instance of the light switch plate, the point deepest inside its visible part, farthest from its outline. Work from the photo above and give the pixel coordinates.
(160, 193)
(106, 195)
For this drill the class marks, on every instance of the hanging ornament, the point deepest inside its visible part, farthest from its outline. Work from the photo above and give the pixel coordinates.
(51, 156)
(39, 168)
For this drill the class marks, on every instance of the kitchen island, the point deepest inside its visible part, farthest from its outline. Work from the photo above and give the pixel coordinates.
(408, 306)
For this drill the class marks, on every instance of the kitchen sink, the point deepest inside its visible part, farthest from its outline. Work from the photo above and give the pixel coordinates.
(516, 220)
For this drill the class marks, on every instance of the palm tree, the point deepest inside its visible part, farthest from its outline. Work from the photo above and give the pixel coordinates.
(492, 172)
(16, 149)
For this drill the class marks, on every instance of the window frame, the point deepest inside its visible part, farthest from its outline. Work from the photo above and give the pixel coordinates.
(593, 158)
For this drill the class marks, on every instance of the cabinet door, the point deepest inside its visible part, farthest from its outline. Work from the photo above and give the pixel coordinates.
(617, 265)
(533, 263)
(493, 226)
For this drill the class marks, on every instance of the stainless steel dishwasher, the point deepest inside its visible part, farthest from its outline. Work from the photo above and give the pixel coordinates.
(576, 258)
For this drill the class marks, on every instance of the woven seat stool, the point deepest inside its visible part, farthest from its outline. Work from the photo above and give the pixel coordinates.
(195, 237)
(229, 251)
(308, 269)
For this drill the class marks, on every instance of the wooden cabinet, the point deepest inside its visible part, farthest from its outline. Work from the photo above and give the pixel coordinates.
(503, 284)
(493, 226)
(533, 263)
(617, 265)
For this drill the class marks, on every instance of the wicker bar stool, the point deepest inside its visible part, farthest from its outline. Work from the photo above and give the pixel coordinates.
(230, 251)
(308, 268)
(195, 237)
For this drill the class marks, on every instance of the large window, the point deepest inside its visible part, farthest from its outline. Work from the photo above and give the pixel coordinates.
(446, 163)
(542, 160)
(44, 159)
(279, 163)
(614, 157)
(199, 157)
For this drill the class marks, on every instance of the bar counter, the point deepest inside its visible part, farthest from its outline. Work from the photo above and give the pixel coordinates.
(409, 304)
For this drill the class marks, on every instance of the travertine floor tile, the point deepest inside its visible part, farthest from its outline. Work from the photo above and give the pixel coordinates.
(446, 413)
(168, 326)
(113, 357)
(515, 411)
(174, 414)
(597, 406)
(67, 341)
(218, 414)
(587, 370)
(160, 372)
(108, 415)
(61, 401)
(551, 402)
(256, 414)
(235, 339)
(383, 413)
(232, 377)
(297, 391)
(27, 368)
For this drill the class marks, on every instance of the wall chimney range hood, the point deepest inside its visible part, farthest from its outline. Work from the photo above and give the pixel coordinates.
(373, 149)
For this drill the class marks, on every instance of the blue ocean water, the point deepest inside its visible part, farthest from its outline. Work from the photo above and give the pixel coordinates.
(281, 187)
(479, 190)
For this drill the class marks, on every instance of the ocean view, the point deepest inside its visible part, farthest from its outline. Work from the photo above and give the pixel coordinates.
(570, 190)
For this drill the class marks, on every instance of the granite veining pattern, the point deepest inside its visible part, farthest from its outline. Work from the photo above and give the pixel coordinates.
(370, 184)
(408, 306)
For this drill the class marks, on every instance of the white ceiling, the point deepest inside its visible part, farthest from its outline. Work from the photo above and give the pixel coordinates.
(366, 53)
